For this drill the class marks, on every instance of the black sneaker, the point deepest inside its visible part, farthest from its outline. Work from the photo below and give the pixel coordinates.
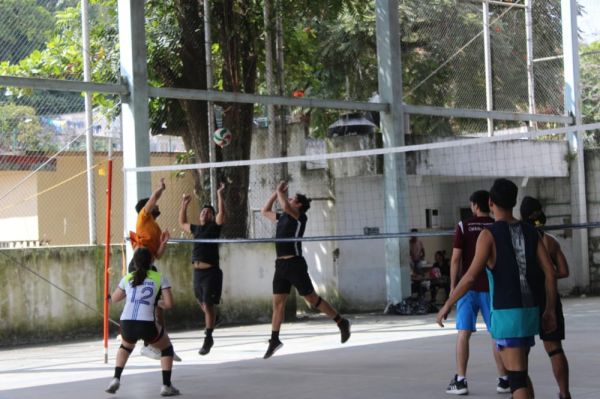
(344, 326)
(208, 343)
(503, 386)
(274, 346)
(457, 387)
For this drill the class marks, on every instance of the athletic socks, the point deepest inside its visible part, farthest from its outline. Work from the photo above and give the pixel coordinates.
(275, 335)
(118, 372)
(337, 318)
(209, 332)
(166, 374)
(460, 378)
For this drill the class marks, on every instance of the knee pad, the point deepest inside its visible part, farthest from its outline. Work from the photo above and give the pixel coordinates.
(517, 380)
(316, 305)
(555, 352)
(126, 349)
(167, 352)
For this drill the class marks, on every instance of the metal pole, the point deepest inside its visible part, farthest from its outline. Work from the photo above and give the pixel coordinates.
(577, 167)
(134, 108)
(487, 53)
(89, 133)
(392, 127)
(281, 83)
(530, 75)
(211, 111)
(107, 257)
(271, 123)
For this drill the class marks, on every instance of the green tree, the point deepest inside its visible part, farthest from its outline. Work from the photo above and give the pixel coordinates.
(590, 87)
(21, 131)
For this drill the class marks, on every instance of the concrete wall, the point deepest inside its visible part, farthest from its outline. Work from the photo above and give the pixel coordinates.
(55, 293)
(592, 170)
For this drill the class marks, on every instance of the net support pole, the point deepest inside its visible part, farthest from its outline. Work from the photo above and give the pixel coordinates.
(392, 127)
(136, 141)
(487, 54)
(572, 97)
(211, 110)
(89, 132)
(107, 257)
(530, 56)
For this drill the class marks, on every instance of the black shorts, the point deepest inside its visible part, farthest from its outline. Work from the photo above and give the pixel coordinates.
(293, 271)
(559, 333)
(208, 285)
(134, 330)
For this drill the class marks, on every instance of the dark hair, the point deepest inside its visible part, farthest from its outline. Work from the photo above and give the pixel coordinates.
(504, 193)
(531, 211)
(141, 204)
(142, 259)
(209, 206)
(302, 199)
(481, 198)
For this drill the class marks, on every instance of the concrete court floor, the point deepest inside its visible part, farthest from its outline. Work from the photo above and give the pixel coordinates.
(387, 357)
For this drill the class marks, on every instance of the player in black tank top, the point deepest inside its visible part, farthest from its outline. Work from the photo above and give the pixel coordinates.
(208, 277)
(290, 265)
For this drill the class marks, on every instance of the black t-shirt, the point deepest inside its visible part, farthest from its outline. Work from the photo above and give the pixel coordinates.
(205, 252)
(288, 227)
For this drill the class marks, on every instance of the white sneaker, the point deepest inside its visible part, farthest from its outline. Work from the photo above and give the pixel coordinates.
(169, 391)
(113, 386)
(150, 352)
(176, 357)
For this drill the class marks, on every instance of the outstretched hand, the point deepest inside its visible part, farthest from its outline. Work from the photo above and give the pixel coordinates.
(162, 185)
(186, 199)
(221, 188)
(282, 187)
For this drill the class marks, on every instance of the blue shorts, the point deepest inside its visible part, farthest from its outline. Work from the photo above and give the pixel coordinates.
(520, 342)
(469, 306)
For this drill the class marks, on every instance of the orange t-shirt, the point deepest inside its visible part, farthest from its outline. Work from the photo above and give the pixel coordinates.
(147, 233)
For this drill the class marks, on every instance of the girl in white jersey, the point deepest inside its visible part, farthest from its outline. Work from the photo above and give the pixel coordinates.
(140, 289)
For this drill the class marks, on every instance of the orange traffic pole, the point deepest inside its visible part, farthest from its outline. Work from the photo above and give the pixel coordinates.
(107, 258)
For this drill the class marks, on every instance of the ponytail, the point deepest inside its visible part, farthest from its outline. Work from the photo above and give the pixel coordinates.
(142, 258)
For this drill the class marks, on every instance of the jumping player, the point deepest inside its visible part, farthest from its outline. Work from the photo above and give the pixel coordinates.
(208, 277)
(290, 265)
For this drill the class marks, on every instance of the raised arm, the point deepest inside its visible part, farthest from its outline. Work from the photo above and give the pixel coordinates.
(267, 209)
(155, 196)
(455, 267)
(220, 216)
(483, 250)
(164, 237)
(183, 222)
(282, 197)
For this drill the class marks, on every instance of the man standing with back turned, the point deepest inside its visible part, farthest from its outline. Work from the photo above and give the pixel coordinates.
(477, 299)
(290, 266)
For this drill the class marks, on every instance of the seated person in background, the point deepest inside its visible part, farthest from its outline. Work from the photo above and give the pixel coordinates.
(440, 276)
(417, 254)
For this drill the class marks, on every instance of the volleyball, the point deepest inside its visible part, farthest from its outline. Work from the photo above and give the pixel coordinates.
(222, 137)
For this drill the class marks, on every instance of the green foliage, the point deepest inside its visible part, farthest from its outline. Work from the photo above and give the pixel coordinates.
(590, 88)
(20, 130)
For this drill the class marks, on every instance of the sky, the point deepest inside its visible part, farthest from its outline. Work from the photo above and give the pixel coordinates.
(588, 23)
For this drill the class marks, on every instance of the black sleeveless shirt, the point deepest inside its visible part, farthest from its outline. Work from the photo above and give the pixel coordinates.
(288, 227)
(206, 252)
